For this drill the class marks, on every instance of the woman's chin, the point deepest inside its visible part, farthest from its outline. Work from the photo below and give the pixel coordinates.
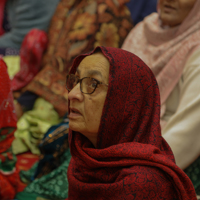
(74, 126)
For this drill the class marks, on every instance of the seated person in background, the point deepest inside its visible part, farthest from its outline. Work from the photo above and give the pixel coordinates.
(24, 15)
(140, 9)
(169, 43)
(76, 27)
(115, 139)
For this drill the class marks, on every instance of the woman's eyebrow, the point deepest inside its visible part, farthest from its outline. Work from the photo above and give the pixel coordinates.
(94, 72)
(91, 72)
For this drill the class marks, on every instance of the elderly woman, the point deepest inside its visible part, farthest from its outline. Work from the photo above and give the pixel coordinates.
(115, 140)
(169, 43)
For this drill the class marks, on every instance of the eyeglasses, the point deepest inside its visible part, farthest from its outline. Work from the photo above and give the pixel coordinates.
(87, 85)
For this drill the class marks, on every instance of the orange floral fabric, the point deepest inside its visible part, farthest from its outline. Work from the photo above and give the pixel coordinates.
(77, 27)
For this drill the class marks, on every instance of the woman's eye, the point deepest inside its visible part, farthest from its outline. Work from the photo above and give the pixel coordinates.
(93, 84)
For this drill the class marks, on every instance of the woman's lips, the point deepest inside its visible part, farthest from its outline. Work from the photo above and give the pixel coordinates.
(168, 8)
(74, 113)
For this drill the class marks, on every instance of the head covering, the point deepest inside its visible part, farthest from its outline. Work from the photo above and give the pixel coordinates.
(165, 51)
(7, 111)
(132, 160)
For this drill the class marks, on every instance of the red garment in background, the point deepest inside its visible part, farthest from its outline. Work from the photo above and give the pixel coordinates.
(7, 111)
(132, 160)
(31, 52)
(9, 180)
(2, 7)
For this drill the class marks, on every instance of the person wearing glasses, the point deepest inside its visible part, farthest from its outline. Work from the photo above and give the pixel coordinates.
(114, 132)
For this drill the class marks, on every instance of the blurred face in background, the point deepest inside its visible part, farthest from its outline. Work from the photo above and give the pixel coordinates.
(173, 12)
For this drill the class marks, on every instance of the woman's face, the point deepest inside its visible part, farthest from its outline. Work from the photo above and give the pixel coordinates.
(173, 12)
(86, 109)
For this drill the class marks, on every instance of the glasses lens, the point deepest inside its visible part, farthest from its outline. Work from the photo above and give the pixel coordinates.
(88, 85)
(70, 81)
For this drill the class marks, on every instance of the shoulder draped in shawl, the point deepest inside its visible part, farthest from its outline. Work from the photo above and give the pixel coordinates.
(132, 160)
(165, 51)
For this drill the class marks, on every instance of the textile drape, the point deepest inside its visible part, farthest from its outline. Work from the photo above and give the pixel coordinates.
(132, 160)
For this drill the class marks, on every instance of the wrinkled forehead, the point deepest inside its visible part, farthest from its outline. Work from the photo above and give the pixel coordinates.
(79, 58)
(121, 62)
(95, 64)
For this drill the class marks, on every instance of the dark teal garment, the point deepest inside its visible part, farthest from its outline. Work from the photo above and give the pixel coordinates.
(193, 171)
(52, 146)
(48, 178)
(53, 186)
(24, 15)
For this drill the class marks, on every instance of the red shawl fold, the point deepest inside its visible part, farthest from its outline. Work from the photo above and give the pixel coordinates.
(31, 52)
(7, 111)
(132, 160)
(9, 180)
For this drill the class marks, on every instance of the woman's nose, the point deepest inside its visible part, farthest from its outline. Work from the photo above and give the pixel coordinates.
(75, 93)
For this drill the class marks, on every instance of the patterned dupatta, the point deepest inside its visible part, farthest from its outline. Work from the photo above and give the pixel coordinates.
(132, 160)
(77, 27)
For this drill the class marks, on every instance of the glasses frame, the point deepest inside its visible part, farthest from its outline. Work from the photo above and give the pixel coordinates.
(80, 81)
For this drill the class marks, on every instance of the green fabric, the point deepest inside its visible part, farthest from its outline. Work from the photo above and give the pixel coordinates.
(7, 158)
(9, 133)
(52, 186)
(9, 164)
(26, 176)
(193, 171)
(27, 196)
(13, 64)
(32, 126)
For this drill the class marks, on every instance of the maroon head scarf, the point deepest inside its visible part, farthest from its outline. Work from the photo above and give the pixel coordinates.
(132, 160)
